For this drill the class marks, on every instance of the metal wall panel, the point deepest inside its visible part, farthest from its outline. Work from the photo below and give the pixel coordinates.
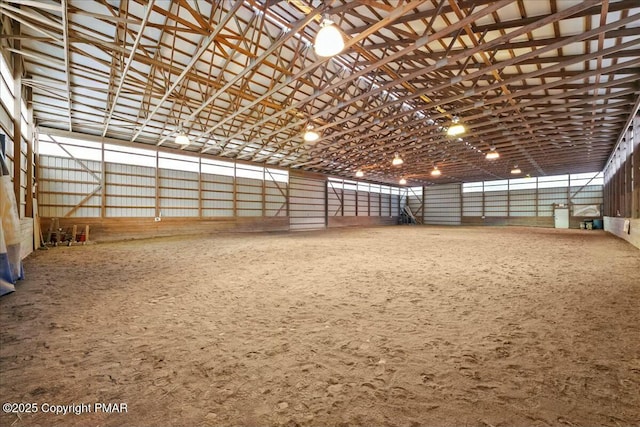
(589, 195)
(178, 193)
(217, 195)
(472, 204)
(496, 203)
(522, 203)
(374, 204)
(442, 204)
(306, 203)
(547, 197)
(275, 203)
(65, 183)
(415, 202)
(334, 201)
(349, 202)
(363, 203)
(385, 204)
(249, 197)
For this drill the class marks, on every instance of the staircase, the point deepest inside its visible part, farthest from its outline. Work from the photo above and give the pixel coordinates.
(407, 216)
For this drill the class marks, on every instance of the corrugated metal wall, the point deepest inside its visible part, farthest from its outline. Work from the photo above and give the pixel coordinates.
(65, 183)
(154, 184)
(533, 197)
(130, 190)
(346, 198)
(307, 197)
(442, 204)
(276, 188)
(415, 201)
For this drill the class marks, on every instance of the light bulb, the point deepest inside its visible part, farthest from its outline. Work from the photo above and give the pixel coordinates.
(402, 181)
(359, 173)
(436, 172)
(329, 41)
(311, 135)
(455, 130)
(182, 139)
(397, 160)
(492, 155)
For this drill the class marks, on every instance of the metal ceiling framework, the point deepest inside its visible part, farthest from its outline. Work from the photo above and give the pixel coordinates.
(549, 83)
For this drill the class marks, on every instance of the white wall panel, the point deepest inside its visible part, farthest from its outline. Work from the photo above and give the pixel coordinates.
(385, 204)
(374, 204)
(442, 204)
(363, 203)
(415, 202)
(547, 197)
(349, 202)
(472, 204)
(275, 198)
(522, 203)
(64, 183)
(306, 203)
(334, 199)
(178, 193)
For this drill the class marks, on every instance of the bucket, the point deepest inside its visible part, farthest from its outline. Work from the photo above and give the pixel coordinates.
(597, 224)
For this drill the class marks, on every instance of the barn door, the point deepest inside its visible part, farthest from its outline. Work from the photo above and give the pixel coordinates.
(561, 217)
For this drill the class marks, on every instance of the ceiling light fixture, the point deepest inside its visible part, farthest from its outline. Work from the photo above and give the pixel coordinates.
(516, 170)
(436, 171)
(310, 134)
(402, 181)
(493, 154)
(397, 160)
(359, 173)
(329, 40)
(456, 128)
(182, 138)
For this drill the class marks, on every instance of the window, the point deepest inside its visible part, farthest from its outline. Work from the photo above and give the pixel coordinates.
(473, 187)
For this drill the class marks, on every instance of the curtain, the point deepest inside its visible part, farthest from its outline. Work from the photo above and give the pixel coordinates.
(10, 262)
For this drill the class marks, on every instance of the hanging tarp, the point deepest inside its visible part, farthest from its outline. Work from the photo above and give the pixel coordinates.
(10, 262)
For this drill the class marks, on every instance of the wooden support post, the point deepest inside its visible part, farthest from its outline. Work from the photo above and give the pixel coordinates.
(58, 231)
(264, 191)
(29, 191)
(51, 230)
(235, 189)
(74, 232)
(17, 114)
(103, 180)
(200, 189)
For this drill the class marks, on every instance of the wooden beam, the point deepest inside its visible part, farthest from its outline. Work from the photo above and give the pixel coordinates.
(83, 201)
(204, 46)
(67, 66)
(128, 62)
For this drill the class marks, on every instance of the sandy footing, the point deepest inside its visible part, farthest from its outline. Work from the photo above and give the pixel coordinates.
(400, 326)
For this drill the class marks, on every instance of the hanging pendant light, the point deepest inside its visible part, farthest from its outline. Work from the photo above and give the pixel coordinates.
(436, 172)
(516, 170)
(329, 40)
(182, 138)
(359, 173)
(493, 154)
(397, 160)
(310, 134)
(402, 181)
(456, 128)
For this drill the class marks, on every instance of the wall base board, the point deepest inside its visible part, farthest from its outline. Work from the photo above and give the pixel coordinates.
(363, 221)
(616, 227)
(113, 229)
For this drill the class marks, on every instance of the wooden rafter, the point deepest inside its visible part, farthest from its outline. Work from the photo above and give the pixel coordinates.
(242, 79)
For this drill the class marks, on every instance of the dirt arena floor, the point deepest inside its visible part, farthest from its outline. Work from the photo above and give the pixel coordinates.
(397, 326)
